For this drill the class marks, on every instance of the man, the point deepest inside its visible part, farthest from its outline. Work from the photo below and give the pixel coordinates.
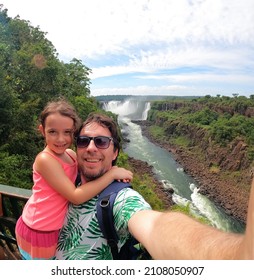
(166, 235)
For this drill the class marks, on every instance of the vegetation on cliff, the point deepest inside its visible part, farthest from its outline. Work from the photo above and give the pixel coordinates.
(220, 129)
(214, 137)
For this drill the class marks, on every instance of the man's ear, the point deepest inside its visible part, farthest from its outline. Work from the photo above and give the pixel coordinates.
(41, 129)
(116, 152)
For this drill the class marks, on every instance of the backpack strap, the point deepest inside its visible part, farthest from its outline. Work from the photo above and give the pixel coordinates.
(105, 217)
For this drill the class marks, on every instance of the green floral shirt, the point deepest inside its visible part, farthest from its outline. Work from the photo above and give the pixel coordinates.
(81, 238)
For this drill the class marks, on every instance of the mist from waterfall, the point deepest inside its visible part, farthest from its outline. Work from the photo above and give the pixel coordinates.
(167, 170)
(133, 109)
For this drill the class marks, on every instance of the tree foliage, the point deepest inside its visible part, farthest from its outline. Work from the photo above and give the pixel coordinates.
(225, 118)
(31, 75)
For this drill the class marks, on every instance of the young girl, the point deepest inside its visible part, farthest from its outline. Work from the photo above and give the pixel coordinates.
(54, 174)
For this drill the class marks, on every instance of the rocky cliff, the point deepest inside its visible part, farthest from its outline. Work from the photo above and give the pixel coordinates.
(217, 172)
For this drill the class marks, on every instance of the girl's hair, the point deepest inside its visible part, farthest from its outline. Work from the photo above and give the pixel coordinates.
(62, 107)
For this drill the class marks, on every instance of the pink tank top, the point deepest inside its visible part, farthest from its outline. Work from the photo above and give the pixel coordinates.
(46, 208)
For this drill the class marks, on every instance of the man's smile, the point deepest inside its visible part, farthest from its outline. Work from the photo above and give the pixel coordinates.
(92, 160)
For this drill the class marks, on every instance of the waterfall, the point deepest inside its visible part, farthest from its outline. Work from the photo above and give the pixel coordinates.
(133, 109)
(145, 113)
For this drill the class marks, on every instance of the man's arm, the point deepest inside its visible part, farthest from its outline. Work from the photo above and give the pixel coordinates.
(173, 235)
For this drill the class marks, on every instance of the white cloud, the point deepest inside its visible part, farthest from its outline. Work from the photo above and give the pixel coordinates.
(94, 27)
(192, 78)
(147, 37)
(149, 62)
(174, 89)
(139, 90)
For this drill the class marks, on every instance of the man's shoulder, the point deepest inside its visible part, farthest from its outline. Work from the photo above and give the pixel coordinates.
(129, 191)
(128, 196)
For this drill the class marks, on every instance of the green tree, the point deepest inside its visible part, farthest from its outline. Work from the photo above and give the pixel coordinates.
(31, 75)
(204, 117)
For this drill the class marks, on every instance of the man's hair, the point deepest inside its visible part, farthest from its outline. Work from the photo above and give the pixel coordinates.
(107, 122)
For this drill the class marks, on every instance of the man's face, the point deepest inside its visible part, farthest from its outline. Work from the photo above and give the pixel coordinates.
(94, 162)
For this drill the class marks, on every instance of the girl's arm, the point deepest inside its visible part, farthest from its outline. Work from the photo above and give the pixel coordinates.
(52, 171)
(92, 188)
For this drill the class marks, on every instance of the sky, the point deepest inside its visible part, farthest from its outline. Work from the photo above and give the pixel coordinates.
(151, 47)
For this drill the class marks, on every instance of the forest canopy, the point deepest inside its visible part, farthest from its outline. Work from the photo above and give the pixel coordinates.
(31, 74)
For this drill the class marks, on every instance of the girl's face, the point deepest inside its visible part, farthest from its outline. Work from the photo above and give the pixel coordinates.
(58, 132)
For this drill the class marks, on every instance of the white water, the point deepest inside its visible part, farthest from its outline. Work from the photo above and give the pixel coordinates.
(166, 168)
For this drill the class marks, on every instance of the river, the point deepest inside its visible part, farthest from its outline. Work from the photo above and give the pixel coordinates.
(165, 167)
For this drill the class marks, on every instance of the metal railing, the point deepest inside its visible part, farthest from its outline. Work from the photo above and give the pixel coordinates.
(12, 201)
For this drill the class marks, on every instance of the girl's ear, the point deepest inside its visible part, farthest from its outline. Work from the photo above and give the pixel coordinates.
(41, 129)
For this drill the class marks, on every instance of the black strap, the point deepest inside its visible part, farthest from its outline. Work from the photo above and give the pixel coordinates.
(109, 229)
(105, 214)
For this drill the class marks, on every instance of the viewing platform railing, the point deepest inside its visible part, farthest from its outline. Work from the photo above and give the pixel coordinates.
(12, 201)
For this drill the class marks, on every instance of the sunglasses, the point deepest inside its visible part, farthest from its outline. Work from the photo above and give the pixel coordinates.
(101, 142)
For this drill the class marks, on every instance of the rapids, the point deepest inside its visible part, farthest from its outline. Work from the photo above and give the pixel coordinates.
(165, 167)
